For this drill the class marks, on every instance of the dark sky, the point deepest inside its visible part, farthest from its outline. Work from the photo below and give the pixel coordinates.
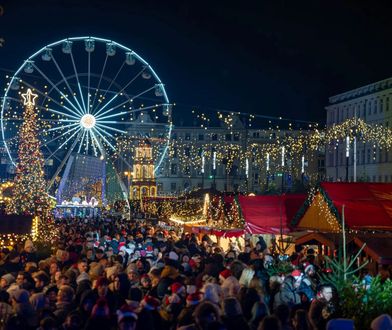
(278, 58)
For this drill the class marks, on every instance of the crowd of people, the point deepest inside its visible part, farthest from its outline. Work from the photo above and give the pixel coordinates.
(112, 273)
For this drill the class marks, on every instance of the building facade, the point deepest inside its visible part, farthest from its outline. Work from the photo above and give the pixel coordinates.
(228, 159)
(372, 104)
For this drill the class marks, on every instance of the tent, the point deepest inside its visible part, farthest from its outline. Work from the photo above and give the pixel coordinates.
(368, 206)
(268, 214)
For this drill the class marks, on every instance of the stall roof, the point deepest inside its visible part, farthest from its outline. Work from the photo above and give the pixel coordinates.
(267, 214)
(368, 206)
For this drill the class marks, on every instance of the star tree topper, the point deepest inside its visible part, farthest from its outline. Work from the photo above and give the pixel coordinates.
(29, 98)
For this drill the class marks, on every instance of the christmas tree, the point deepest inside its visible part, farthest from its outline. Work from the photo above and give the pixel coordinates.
(29, 194)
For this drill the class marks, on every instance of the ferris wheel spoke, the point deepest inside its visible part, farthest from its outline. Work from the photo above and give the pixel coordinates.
(115, 95)
(144, 92)
(63, 144)
(67, 83)
(81, 141)
(93, 144)
(93, 137)
(52, 99)
(88, 82)
(74, 118)
(77, 80)
(113, 115)
(111, 128)
(63, 161)
(111, 109)
(56, 88)
(100, 80)
(69, 138)
(60, 136)
(113, 80)
(61, 127)
(97, 130)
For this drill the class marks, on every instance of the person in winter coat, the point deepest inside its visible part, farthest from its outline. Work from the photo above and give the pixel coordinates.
(288, 293)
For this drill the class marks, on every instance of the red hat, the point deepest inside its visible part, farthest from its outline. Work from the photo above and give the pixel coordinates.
(296, 274)
(150, 302)
(121, 244)
(224, 274)
(308, 266)
(193, 299)
(192, 263)
(176, 287)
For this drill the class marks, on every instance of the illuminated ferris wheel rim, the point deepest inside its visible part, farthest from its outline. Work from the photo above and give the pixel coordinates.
(86, 121)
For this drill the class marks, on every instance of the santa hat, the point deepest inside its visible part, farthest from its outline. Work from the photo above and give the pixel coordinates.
(224, 274)
(307, 267)
(126, 311)
(150, 303)
(193, 299)
(296, 274)
(192, 263)
(176, 287)
(173, 299)
(121, 244)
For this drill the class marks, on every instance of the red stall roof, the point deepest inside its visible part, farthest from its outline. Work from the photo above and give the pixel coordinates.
(267, 214)
(367, 205)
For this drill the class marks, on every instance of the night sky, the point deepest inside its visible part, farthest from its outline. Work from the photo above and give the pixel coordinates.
(276, 58)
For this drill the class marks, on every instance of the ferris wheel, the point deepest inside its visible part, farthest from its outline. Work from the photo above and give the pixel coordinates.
(94, 94)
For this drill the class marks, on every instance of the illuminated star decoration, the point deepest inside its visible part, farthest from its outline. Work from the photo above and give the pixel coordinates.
(29, 98)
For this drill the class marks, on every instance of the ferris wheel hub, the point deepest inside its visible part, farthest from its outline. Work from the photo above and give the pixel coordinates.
(87, 121)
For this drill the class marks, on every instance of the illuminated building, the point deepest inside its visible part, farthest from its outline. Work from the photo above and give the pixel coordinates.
(372, 104)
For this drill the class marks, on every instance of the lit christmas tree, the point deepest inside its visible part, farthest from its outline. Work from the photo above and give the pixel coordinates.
(29, 195)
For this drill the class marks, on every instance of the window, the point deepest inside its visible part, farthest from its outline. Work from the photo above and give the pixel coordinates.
(330, 160)
(379, 178)
(387, 104)
(363, 156)
(228, 137)
(214, 137)
(236, 137)
(201, 137)
(374, 106)
(160, 187)
(368, 156)
(187, 152)
(381, 105)
(187, 170)
(173, 170)
(380, 156)
(369, 103)
(386, 178)
(256, 134)
(174, 136)
(187, 136)
(173, 187)
(386, 156)
(374, 178)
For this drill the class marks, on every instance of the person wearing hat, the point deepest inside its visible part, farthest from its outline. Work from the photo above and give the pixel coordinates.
(23, 308)
(28, 254)
(322, 309)
(186, 315)
(308, 285)
(6, 281)
(126, 318)
(149, 315)
(13, 264)
(288, 293)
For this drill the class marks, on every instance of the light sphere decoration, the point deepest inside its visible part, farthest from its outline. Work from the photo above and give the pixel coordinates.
(88, 121)
(95, 98)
